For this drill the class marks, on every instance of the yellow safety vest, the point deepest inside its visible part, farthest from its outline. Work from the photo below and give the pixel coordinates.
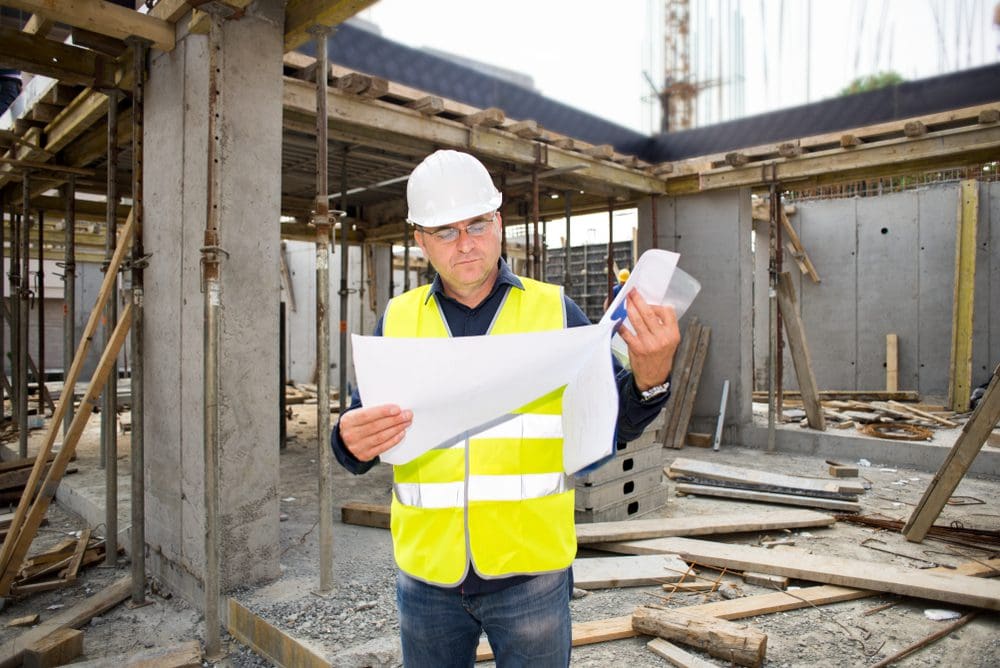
(499, 498)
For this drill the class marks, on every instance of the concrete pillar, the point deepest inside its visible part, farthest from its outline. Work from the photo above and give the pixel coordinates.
(176, 186)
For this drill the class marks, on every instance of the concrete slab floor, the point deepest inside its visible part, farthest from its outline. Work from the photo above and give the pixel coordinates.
(356, 623)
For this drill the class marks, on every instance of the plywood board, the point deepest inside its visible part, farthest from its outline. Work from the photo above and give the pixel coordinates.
(628, 571)
(791, 562)
(700, 525)
(714, 471)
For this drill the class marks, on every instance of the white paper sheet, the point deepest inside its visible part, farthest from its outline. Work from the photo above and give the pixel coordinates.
(458, 386)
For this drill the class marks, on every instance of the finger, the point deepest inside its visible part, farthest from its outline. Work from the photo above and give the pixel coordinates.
(640, 314)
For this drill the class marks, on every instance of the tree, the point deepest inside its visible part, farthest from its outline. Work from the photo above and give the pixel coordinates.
(873, 82)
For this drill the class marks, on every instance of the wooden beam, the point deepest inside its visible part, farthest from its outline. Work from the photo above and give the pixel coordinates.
(38, 25)
(12, 651)
(891, 363)
(182, 655)
(796, 335)
(768, 497)
(701, 470)
(270, 641)
(56, 649)
(300, 15)
(676, 656)
(634, 570)
(102, 17)
(795, 563)
(46, 57)
(800, 252)
(738, 643)
(699, 525)
(960, 371)
(958, 461)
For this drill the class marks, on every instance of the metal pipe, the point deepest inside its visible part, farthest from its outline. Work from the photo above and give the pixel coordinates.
(406, 257)
(568, 254)
(611, 249)
(282, 379)
(138, 332)
(527, 247)
(22, 333)
(40, 282)
(69, 295)
(343, 283)
(322, 221)
(772, 310)
(13, 275)
(535, 260)
(653, 201)
(109, 411)
(779, 358)
(212, 290)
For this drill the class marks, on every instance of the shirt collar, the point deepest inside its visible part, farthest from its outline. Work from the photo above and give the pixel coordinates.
(505, 277)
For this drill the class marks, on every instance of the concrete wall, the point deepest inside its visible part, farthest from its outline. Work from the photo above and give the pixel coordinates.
(176, 136)
(887, 265)
(712, 233)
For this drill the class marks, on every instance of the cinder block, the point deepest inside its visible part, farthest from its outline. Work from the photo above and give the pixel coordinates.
(625, 463)
(589, 497)
(626, 510)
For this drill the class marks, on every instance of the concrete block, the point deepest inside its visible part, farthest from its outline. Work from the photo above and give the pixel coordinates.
(590, 497)
(630, 509)
(625, 463)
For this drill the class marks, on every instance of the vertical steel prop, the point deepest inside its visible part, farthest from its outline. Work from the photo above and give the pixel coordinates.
(406, 256)
(138, 378)
(211, 257)
(14, 313)
(535, 260)
(655, 227)
(323, 227)
(69, 292)
(109, 408)
(40, 302)
(343, 282)
(772, 311)
(22, 323)
(568, 254)
(611, 249)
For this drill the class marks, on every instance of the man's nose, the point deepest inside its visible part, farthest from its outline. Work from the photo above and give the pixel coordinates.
(464, 241)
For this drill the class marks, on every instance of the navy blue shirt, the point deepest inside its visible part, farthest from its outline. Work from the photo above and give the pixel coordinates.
(633, 414)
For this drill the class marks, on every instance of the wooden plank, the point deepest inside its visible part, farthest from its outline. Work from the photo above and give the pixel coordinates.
(104, 18)
(74, 565)
(958, 461)
(738, 643)
(56, 649)
(912, 410)
(830, 395)
(841, 471)
(20, 536)
(487, 118)
(429, 105)
(616, 628)
(765, 580)
(715, 471)
(270, 641)
(891, 362)
(74, 617)
(365, 514)
(681, 372)
(686, 406)
(676, 656)
(12, 539)
(796, 337)
(626, 571)
(795, 563)
(768, 497)
(700, 525)
(300, 15)
(793, 238)
(25, 620)
(39, 55)
(960, 370)
(182, 655)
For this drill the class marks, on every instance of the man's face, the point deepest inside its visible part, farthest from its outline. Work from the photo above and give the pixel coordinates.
(465, 253)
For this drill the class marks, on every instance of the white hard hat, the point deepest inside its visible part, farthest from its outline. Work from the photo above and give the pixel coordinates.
(449, 186)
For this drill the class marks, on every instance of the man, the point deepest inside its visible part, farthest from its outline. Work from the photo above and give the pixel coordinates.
(483, 530)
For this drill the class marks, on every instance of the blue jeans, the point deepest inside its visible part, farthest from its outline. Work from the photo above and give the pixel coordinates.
(527, 624)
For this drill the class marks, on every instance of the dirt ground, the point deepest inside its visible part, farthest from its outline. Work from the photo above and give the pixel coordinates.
(356, 623)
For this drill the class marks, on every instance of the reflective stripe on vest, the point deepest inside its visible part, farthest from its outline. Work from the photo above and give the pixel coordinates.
(499, 497)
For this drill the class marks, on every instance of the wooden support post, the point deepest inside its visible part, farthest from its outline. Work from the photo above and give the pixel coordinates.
(958, 461)
(960, 377)
(686, 405)
(891, 363)
(801, 257)
(800, 352)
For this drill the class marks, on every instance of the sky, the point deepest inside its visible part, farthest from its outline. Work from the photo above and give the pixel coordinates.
(600, 57)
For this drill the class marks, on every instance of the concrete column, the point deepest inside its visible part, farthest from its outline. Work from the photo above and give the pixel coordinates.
(176, 186)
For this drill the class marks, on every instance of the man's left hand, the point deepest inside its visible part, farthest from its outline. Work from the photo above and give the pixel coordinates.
(651, 349)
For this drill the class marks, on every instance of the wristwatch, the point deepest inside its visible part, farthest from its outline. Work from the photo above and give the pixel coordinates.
(654, 392)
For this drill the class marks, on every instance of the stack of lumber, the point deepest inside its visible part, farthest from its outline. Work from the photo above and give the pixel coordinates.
(686, 375)
(14, 476)
(628, 486)
(709, 479)
(305, 393)
(59, 565)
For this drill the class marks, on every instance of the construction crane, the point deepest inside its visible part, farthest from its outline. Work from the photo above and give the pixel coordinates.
(679, 92)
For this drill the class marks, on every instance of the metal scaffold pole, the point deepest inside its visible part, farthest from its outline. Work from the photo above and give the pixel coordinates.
(22, 323)
(323, 227)
(69, 293)
(109, 408)
(138, 377)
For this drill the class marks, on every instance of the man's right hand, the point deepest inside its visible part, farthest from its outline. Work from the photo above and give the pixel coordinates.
(369, 431)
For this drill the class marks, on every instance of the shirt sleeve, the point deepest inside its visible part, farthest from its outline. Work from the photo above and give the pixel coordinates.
(340, 451)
